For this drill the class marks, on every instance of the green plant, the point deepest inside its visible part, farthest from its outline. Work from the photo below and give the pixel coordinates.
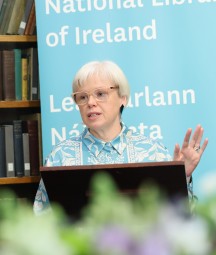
(112, 224)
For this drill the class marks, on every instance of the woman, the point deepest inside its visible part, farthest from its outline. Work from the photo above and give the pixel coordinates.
(101, 91)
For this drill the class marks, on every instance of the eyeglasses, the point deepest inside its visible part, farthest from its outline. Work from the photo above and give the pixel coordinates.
(100, 94)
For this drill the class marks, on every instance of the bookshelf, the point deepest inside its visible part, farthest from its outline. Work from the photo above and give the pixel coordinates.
(26, 186)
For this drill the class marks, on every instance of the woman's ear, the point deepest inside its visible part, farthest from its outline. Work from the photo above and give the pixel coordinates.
(124, 101)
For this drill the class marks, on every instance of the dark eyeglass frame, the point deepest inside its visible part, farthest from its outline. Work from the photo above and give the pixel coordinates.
(92, 93)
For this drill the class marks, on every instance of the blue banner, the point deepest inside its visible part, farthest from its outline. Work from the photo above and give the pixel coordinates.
(166, 49)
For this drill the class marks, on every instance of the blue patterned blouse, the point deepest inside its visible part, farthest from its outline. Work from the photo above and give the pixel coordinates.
(85, 149)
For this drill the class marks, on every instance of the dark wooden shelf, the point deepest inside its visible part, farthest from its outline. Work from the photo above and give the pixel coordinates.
(20, 104)
(18, 38)
(19, 180)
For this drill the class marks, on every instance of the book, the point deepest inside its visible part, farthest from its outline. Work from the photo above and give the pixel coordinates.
(31, 126)
(18, 72)
(1, 3)
(33, 30)
(9, 151)
(26, 153)
(33, 73)
(1, 81)
(18, 148)
(36, 116)
(2, 152)
(31, 23)
(6, 17)
(24, 75)
(16, 16)
(2, 14)
(35, 84)
(25, 17)
(8, 74)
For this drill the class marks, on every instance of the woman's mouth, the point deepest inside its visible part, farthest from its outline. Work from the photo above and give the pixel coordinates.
(93, 115)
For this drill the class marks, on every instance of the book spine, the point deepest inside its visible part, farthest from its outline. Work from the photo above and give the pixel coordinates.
(37, 117)
(31, 21)
(18, 148)
(35, 76)
(33, 73)
(15, 17)
(25, 17)
(7, 16)
(9, 150)
(33, 28)
(1, 3)
(2, 152)
(34, 146)
(1, 76)
(24, 63)
(8, 74)
(18, 76)
(26, 153)
(2, 13)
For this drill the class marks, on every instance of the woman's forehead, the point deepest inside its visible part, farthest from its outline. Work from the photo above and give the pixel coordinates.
(96, 78)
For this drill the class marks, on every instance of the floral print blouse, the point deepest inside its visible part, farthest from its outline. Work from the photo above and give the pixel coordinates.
(85, 149)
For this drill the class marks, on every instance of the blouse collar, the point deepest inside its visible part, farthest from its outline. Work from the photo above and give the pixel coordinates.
(96, 145)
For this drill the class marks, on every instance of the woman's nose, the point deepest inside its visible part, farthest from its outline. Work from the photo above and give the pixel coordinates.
(91, 100)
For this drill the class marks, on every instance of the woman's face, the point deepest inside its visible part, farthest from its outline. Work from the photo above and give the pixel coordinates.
(101, 117)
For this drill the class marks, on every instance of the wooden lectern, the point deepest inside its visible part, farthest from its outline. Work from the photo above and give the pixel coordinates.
(69, 185)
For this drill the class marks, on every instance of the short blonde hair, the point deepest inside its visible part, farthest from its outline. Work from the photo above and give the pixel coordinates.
(104, 69)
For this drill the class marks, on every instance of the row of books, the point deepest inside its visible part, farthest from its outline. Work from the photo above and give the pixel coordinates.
(17, 17)
(20, 148)
(19, 75)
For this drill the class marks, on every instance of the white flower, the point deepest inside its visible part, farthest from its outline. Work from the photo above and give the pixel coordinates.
(188, 235)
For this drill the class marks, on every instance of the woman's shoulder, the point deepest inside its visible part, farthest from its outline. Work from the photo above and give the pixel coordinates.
(73, 140)
(140, 139)
(146, 148)
(65, 152)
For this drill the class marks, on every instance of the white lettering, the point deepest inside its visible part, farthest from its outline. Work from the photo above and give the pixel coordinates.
(147, 96)
(171, 94)
(52, 39)
(56, 136)
(153, 131)
(63, 133)
(206, 1)
(192, 95)
(67, 104)
(170, 2)
(52, 107)
(98, 36)
(80, 6)
(55, 7)
(160, 98)
(63, 33)
(149, 31)
(118, 34)
(71, 6)
(138, 99)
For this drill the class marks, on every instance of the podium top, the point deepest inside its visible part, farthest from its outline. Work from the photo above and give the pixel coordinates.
(69, 185)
